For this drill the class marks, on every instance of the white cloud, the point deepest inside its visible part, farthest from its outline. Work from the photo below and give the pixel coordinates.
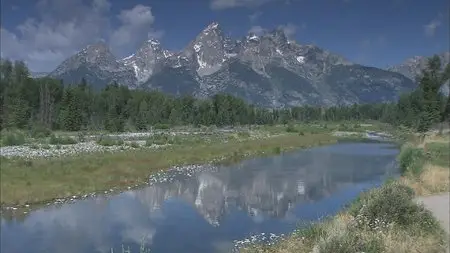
(430, 28)
(226, 4)
(290, 29)
(257, 30)
(135, 27)
(63, 27)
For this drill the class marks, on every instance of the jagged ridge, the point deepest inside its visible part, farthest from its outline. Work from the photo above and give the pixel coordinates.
(267, 70)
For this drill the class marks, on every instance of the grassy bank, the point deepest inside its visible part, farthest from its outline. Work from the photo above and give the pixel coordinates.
(384, 219)
(39, 180)
(425, 165)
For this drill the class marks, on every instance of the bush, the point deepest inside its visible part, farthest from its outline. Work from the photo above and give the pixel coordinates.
(134, 144)
(352, 241)
(291, 128)
(61, 140)
(244, 134)
(391, 204)
(411, 159)
(277, 150)
(14, 138)
(40, 131)
(108, 141)
(158, 139)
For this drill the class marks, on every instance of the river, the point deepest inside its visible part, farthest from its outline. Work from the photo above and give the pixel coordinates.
(207, 211)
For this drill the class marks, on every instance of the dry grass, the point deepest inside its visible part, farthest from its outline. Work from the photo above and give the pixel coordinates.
(401, 241)
(433, 179)
(434, 175)
(41, 180)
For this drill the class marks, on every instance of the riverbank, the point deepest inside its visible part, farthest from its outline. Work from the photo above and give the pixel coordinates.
(39, 180)
(68, 166)
(388, 219)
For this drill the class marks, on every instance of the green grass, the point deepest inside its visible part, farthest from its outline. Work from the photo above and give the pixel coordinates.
(108, 141)
(40, 180)
(439, 153)
(12, 138)
(411, 160)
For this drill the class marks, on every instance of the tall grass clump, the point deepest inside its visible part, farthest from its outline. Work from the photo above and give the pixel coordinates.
(108, 141)
(39, 131)
(12, 138)
(291, 128)
(161, 139)
(411, 160)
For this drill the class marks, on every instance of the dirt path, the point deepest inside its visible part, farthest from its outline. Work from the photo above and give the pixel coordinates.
(440, 206)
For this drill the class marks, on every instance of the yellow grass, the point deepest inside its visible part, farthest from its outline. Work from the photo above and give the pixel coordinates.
(433, 179)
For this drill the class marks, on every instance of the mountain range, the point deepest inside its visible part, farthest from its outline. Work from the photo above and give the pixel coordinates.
(266, 70)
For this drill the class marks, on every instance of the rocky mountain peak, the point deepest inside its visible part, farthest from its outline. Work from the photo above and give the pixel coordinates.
(210, 49)
(278, 35)
(265, 69)
(146, 59)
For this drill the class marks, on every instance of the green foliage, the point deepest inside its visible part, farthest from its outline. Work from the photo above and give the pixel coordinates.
(277, 150)
(391, 204)
(243, 134)
(291, 128)
(411, 160)
(49, 105)
(134, 144)
(39, 131)
(352, 241)
(108, 141)
(12, 138)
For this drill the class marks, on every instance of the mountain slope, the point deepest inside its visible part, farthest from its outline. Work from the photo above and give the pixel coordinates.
(97, 65)
(267, 70)
(412, 67)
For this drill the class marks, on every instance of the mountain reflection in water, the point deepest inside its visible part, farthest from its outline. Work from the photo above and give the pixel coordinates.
(206, 212)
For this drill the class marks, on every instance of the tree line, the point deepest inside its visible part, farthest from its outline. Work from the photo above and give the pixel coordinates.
(45, 102)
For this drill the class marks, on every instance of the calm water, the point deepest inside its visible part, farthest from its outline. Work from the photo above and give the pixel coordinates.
(207, 211)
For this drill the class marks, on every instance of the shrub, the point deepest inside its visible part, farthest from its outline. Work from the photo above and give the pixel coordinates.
(343, 127)
(352, 241)
(40, 131)
(158, 139)
(14, 138)
(134, 144)
(291, 128)
(244, 134)
(411, 159)
(277, 150)
(108, 141)
(391, 204)
(61, 140)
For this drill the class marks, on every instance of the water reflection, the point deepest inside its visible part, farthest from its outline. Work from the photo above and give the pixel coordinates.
(206, 212)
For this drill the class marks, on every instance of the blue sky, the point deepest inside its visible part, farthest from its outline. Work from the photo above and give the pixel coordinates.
(376, 33)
